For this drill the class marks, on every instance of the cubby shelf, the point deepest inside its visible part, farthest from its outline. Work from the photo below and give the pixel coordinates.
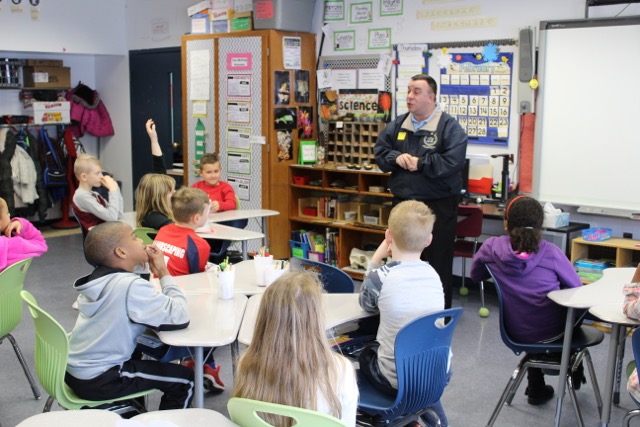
(623, 252)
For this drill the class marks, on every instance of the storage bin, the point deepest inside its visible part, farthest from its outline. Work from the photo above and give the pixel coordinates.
(288, 15)
(308, 206)
(316, 256)
(596, 234)
(301, 180)
(299, 249)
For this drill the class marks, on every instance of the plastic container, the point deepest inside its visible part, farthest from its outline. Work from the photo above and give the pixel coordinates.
(299, 249)
(596, 234)
(287, 15)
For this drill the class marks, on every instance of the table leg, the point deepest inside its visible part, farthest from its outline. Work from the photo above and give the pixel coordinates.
(611, 367)
(564, 362)
(198, 372)
(619, 366)
(245, 254)
(264, 230)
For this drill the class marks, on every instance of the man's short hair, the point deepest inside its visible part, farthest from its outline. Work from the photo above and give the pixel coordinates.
(83, 164)
(430, 81)
(102, 240)
(209, 159)
(411, 223)
(186, 202)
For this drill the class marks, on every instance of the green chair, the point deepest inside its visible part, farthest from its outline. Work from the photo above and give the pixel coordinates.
(147, 234)
(51, 354)
(11, 283)
(244, 412)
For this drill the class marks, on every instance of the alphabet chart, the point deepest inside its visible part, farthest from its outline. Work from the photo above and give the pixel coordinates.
(478, 94)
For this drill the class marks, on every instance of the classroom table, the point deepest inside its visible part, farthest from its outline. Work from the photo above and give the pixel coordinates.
(213, 231)
(605, 297)
(85, 417)
(244, 284)
(339, 309)
(188, 417)
(245, 214)
(214, 323)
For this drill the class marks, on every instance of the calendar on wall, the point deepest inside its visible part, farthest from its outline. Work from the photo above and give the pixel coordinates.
(478, 94)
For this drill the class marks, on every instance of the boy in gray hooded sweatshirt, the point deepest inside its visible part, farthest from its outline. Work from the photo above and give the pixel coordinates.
(115, 306)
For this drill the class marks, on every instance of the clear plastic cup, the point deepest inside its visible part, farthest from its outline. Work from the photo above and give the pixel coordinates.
(261, 264)
(225, 283)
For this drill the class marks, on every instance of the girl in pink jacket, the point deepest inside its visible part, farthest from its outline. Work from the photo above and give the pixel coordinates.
(19, 239)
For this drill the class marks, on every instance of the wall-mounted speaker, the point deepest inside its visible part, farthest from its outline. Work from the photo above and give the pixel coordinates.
(527, 55)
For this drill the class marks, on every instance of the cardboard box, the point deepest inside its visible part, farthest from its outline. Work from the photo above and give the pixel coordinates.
(243, 5)
(200, 24)
(220, 14)
(46, 77)
(222, 4)
(555, 220)
(242, 21)
(44, 62)
(199, 7)
(48, 113)
(220, 26)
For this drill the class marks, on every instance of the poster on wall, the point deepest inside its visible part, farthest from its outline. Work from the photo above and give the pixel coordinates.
(478, 94)
(241, 186)
(282, 87)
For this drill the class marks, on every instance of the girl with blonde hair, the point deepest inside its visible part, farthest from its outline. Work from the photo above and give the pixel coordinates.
(153, 200)
(289, 361)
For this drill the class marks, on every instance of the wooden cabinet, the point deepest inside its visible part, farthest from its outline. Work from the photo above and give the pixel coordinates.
(341, 199)
(622, 252)
(352, 142)
(249, 94)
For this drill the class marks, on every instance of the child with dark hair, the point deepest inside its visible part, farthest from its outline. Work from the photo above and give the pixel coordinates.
(528, 268)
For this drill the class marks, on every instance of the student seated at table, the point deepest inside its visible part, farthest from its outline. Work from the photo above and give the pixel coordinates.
(89, 207)
(188, 253)
(19, 239)
(631, 308)
(403, 290)
(528, 268)
(115, 307)
(222, 195)
(289, 361)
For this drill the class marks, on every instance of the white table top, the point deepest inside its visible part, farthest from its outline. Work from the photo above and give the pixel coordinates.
(339, 309)
(86, 417)
(213, 231)
(186, 418)
(245, 283)
(241, 214)
(607, 290)
(214, 322)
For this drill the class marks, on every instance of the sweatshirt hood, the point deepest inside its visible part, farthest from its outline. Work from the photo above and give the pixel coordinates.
(512, 264)
(92, 288)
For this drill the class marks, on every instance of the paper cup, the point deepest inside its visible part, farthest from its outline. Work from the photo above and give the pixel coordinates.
(262, 263)
(225, 283)
(273, 274)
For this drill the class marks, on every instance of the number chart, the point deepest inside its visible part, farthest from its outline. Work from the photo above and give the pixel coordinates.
(478, 94)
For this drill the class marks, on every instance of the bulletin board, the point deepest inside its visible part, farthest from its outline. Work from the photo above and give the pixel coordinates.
(476, 83)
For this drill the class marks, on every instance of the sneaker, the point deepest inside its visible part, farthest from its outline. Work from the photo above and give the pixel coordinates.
(212, 381)
(538, 396)
(578, 378)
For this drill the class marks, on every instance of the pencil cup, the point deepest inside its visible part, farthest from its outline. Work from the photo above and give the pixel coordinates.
(262, 263)
(225, 283)
(273, 273)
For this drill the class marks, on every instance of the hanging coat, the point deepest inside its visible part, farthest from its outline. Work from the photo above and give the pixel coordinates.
(88, 112)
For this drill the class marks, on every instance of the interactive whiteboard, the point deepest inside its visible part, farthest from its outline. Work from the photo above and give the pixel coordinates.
(587, 138)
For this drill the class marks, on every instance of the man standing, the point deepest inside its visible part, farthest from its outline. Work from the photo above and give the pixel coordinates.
(425, 152)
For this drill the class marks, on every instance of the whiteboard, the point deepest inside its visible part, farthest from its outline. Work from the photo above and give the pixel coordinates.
(587, 144)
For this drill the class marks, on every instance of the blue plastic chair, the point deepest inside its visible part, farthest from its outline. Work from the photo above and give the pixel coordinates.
(335, 281)
(422, 354)
(583, 337)
(635, 342)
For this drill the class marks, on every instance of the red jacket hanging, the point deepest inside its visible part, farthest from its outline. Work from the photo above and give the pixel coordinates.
(88, 113)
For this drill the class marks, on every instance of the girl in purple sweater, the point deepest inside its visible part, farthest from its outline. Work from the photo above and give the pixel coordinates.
(527, 269)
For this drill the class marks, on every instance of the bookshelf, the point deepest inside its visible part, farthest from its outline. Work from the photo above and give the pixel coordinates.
(352, 204)
(352, 142)
(622, 252)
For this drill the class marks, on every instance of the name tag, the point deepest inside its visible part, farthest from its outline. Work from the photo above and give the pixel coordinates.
(402, 136)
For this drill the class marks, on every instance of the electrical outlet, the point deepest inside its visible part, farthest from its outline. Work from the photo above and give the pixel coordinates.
(525, 107)
(627, 235)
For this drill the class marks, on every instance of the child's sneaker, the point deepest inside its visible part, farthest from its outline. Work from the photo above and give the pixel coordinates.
(212, 373)
(212, 381)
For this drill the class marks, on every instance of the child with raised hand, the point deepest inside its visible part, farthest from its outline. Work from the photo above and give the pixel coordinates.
(89, 207)
(289, 361)
(528, 268)
(19, 239)
(115, 307)
(403, 290)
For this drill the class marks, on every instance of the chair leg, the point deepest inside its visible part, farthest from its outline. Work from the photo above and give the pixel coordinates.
(574, 400)
(514, 380)
(626, 421)
(484, 311)
(25, 368)
(594, 380)
(463, 289)
(48, 403)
